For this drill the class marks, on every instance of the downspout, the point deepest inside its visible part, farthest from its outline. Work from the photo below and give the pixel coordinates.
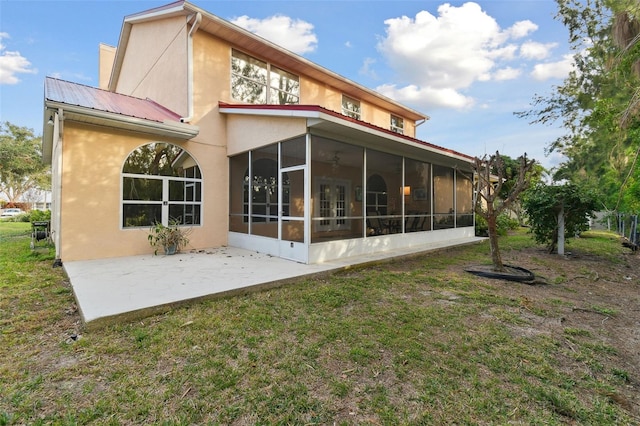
(56, 220)
(194, 28)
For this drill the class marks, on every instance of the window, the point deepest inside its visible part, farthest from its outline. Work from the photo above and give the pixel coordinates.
(397, 124)
(257, 82)
(443, 197)
(333, 202)
(160, 182)
(351, 107)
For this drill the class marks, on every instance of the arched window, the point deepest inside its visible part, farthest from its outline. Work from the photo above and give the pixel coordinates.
(160, 182)
(376, 195)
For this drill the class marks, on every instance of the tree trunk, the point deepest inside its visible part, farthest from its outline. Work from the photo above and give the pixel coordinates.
(496, 258)
(561, 231)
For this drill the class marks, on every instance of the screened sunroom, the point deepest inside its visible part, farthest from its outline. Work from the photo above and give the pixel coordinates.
(345, 190)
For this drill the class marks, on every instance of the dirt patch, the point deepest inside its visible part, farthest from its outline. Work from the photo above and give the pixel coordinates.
(591, 297)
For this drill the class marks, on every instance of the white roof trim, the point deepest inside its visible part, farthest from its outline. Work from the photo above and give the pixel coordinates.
(110, 119)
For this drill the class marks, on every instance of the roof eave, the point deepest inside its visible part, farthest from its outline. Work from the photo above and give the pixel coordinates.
(177, 130)
(317, 116)
(314, 70)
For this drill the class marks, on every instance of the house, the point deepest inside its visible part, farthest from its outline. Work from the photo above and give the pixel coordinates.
(246, 143)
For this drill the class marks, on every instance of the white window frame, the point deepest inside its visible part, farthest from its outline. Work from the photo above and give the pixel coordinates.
(267, 86)
(165, 203)
(351, 107)
(334, 221)
(396, 124)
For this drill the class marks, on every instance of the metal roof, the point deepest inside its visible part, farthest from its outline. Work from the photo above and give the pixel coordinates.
(68, 93)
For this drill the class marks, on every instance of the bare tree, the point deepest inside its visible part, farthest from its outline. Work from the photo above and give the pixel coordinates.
(490, 177)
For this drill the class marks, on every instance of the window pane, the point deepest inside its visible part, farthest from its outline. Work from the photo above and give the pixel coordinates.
(141, 189)
(141, 214)
(264, 186)
(170, 164)
(284, 81)
(336, 184)
(177, 190)
(186, 214)
(417, 195)
(397, 124)
(285, 87)
(249, 67)
(156, 159)
(248, 79)
(248, 91)
(384, 184)
(443, 197)
(277, 97)
(351, 107)
(293, 152)
(239, 193)
(464, 199)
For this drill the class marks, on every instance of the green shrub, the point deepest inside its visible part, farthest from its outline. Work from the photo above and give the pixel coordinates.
(482, 228)
(38, 215)
(504, 224)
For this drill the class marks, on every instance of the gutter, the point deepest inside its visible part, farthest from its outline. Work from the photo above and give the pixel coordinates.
(194, 27)
(167, 128)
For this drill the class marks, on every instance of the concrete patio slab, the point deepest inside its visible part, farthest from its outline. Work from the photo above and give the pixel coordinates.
(121, 289)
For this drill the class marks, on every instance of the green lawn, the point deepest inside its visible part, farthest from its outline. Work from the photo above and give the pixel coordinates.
(414, 342)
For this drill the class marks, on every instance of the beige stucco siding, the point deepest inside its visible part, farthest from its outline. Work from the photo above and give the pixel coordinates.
(211, 84)
(91, 194)
(313, 92)
(155, 63)
(107, 55)
(246, 132)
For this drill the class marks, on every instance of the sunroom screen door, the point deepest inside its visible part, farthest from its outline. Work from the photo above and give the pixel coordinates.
(292, 215)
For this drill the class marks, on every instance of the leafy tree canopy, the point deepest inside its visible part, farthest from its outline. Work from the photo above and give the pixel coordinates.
(543, 204)
(21, 166)
(599, 103)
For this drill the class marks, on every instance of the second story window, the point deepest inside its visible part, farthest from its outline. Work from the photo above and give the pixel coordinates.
(351, 107)
(397, 124)
(257, 82)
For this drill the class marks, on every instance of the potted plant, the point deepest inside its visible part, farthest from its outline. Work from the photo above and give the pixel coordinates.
(171, 237)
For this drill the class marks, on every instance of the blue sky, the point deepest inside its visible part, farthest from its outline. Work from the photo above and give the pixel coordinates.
(467, 65)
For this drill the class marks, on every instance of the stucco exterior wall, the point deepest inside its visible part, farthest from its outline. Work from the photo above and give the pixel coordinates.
(91, 194)
(313, 92)
(245, 132)
(155, 63)
(107, 55)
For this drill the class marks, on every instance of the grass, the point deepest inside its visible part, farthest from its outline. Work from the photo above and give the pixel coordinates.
(409, 343)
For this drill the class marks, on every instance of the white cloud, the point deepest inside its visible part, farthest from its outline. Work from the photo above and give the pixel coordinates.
(535, 50)
(437, 97)
(366, 68)
(12, 64)
(507, 73)
(559, 69)
(293, 34)
(438, 57)
(521, 29)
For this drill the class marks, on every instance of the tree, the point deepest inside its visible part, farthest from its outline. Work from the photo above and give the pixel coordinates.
(598, 104)
(491, 200)
(21, 166)
(512, 169)
(554, 208)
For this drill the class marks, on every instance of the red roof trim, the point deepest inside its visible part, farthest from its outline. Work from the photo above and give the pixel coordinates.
(317, 108)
